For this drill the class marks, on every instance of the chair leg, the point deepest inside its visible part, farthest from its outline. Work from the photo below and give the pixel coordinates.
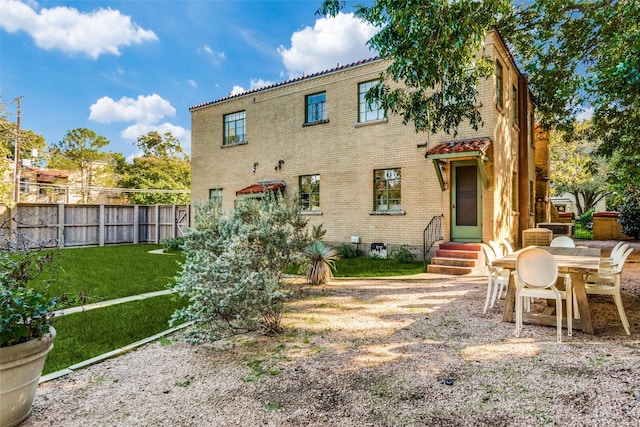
(623, 316)
(496, 291)
(559, 318)
(518, 314)
(576, 310)
(488, 298)
(569, 300)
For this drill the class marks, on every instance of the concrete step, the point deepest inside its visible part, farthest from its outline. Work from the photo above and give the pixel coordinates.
(449, 269)
(456, 262)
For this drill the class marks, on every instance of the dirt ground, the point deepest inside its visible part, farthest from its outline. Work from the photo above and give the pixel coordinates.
(372, 352)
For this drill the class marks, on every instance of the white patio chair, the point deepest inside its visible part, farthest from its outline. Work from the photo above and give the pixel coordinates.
(607, 282)
(508, 249)
(498, 279)
(536, 276)
(497, 249)
(616, 253)
(563, 242)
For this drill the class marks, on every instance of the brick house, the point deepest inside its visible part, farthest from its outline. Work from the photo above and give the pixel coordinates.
(361, 173)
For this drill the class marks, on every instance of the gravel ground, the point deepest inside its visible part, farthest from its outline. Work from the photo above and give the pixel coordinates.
(413, 352)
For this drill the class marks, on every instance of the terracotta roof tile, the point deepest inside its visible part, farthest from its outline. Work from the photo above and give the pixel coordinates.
(262, 187)
(461, 146)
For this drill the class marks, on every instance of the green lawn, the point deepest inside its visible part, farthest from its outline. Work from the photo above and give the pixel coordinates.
(109, 272)
(81, 336)
(371, 267)
(105, 273)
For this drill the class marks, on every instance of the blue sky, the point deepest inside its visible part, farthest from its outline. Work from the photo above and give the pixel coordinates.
(124, 68)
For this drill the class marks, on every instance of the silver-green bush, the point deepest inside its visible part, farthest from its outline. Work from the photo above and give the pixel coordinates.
(233, 269)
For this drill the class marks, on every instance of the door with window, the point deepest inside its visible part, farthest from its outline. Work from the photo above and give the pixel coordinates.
(466, 202)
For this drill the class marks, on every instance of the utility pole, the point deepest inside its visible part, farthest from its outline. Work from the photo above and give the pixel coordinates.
(16, 155)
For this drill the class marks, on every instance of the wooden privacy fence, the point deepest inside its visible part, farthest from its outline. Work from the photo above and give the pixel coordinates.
(66, 225)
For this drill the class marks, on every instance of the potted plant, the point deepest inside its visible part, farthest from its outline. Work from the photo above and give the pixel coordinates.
(26, 334)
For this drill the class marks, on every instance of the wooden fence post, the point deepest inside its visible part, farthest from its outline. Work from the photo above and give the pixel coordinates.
(157, 239)
(136, 225)
(101, 227)
(61, 225)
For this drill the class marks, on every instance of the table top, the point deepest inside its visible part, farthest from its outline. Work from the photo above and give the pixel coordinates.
(570, 260)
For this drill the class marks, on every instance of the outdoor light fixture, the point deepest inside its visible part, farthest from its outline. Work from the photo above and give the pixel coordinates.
(279, 165)
(255, 166)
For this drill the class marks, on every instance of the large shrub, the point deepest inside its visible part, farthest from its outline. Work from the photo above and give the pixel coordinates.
(234, 265)
(630, 213)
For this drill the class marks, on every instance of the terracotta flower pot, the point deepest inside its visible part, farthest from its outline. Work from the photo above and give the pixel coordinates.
(20, 369)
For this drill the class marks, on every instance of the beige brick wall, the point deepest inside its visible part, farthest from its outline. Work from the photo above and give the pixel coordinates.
(345, 155)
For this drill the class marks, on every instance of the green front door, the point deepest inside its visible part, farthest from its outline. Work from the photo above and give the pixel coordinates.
(466, 203)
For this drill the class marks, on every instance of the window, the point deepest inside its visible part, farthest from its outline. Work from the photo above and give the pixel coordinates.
(309, 193)
(499, 85)
(25, 186)
(316, 108)
(368, 111)
(386, 190)
(234, 128)
(215, 197)
(515, 107)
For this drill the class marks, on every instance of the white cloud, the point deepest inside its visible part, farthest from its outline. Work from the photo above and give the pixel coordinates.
(341, 39)
(144, 109)
(139, 129)
(192, 83)
(237, 90)
(259, 83)
(103, 31)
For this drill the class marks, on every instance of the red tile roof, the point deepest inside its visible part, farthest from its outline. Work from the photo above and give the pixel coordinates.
(262, 187)
(461, 146)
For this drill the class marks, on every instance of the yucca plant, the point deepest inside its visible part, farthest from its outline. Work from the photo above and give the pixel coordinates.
(320, 261)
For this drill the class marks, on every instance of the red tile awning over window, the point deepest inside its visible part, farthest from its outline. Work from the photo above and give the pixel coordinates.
(262, 187)
(470, 145)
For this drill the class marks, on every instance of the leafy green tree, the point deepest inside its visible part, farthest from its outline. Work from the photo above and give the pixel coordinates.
(630, 213)
(80, 150)
(163, 166)
(234, 264)
(576, 52)
(155, 145)
(624, 177)
(576, 169)
(156, 173)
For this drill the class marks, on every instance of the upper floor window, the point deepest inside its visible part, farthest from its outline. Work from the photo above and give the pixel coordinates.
(309, 193)
(316, 107)
(515, 107)
(234, 128)
(499, 85)
(368, 111)
(215, 197)
(387, 190)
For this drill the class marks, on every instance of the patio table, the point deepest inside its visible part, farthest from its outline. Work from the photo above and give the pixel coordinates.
(574, 261)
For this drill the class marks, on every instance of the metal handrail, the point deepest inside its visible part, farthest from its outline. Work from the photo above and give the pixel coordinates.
(431, 234)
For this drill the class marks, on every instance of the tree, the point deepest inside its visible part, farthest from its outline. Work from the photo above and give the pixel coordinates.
(155, 173)
(630, 213)
(80, 150)
(163, 166)
(155, 145)
(576, 53)
(576, 169)
(234, 264)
